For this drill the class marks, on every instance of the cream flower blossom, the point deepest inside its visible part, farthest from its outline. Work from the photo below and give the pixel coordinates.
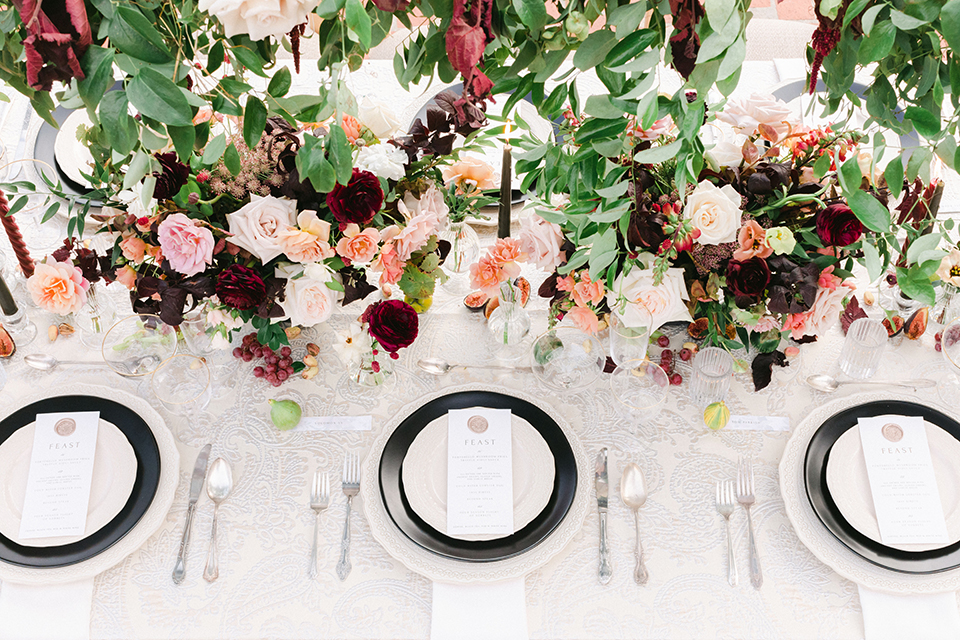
(636, 290)
(256, 226)
(715, 212)
(308, 300)
(259, 18)
(949, 269)
(382, 160)
(747, 114)
(378, 117)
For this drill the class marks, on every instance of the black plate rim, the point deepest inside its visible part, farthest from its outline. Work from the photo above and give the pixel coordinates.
(816, 458)
(145, 487)
(435, 542)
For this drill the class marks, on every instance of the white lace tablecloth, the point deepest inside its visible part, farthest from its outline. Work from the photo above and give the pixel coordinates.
(266, 524)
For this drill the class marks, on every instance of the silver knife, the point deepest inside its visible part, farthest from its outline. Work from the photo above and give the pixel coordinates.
(603, 490)
(196, 485)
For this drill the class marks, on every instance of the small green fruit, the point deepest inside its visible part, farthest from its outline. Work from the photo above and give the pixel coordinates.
(285, 414)
(717, 415)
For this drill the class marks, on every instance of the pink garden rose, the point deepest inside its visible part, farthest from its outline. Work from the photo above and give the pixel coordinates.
(584, 319)
(187, 245)
(541, 241)
(257, 225)
(358, 246)
(389, 264)
(414, 236)
(133, 249)
(58, 287)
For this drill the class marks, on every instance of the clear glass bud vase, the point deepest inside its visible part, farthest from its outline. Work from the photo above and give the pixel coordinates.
(464, 246)
(948, 305)
(509, 323)
(96, 317)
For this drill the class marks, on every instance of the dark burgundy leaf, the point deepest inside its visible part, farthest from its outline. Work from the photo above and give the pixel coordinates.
(763, 365)
(853, 312)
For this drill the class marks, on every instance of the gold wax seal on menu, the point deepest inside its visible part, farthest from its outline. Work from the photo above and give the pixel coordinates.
(65, 427)
(892, 432)
(477, 424)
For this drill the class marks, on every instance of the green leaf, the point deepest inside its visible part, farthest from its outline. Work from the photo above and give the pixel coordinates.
(214, 149)
(871, 213)
(280, 83)
(850, 175)
(183, 140)
(878, 44)
(926, 123)
(136, 36)
(603, 252)
(358, 21)
(626, 17)
(249, 58)
(916, 285)
(871, 259)
(614, 191)
(137, 169)
(904, 22)
(821, 166)
(155, 96)
(648, 110)
(655, 155)
(919, 164)
(601, 107)
(630, 47)
(829, 8)
(854, 10)
(231, 159)
(594, 49)
(215, 59)
(312, 165)
(870, 17)
(119, 127)
(555, 100)
(254, 121)
(340, 154)
(921, 245)
(947, 150)
(533, 13)
(97, 65)
(950, 24)
(893, 174)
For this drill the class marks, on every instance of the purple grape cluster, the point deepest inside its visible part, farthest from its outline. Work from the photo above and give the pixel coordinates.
(277, 365)
(667, 364)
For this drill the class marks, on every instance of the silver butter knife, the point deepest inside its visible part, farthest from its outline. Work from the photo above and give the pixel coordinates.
(196, 485)
(603, 490)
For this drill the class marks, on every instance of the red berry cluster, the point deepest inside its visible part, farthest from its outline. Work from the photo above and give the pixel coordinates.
(277, 366)
(938, 337)
(667, 363)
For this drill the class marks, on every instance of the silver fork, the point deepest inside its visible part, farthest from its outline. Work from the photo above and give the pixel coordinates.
(351, 487)
(746, 497)
(319, 500)
(725, 505)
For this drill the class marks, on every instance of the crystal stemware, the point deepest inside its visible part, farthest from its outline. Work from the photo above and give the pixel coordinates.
(950, 346)
(141, 336)
(566, 358)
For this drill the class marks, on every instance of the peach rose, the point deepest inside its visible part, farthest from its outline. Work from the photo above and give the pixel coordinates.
(309, 243)
(566, 283)
(133, 248)
(127, 276)
(587, 291)
(796, 324)
(753, 242)
(389, 264)
(186, 244)
(358, 246)
(472, 171)
(487, 275)
(351, 127)
(827, 280)
(584, 319)
(58, 287)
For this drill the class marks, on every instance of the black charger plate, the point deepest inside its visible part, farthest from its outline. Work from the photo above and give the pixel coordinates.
(144, 487)
(406, 519)
(815, 480)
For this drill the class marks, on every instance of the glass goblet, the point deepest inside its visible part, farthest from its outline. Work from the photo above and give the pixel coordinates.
(640, 389)
(630, 342)
(183, 386)
(566, 358)
(137, 345)
(949, 386)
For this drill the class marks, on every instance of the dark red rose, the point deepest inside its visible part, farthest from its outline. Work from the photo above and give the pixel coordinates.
(172, 176)
(241, 287)
(357, 202)
(748, 279)
(391, 5)
(393, 323)
(58, 34)
(838, 226)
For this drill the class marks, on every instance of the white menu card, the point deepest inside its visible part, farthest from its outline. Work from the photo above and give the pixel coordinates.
(479, 471)
(61, 468)
(902, 480)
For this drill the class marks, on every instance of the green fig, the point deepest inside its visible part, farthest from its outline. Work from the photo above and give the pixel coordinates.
(285, 414)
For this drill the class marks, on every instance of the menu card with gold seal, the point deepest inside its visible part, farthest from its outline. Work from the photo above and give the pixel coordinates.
(61, 469)
(479, 471)
(902, 480)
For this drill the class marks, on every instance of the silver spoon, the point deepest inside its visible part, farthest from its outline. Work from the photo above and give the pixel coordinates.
(219, 485)
(438, 366)
(633, 492)
(46, 362)
(829, 384)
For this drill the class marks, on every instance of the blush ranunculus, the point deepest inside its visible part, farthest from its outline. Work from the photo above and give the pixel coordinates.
(256, 225)
(393, 323)
(753, 242)
(241, 287)
(507, 253)
(187, 245)
(748, 279)
(358, 246)
(588, 291)
(58, 287)
(838, 226)
(133, 249)
(358, 201)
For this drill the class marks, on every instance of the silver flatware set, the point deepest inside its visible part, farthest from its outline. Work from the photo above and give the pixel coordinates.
(745, 495)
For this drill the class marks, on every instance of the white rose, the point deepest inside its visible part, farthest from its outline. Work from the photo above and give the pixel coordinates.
(256, 226)
(308, 300)
(259, 18)
(382, 160)
(747, 114)
(728, 151)
(664, 302)
(541, 241)
(715, 212)
(378, 117)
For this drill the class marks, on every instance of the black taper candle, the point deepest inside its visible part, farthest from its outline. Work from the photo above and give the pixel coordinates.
(506, 192)
(7, 304)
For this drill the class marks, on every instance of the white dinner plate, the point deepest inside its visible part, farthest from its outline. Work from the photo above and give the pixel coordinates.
(73, 157)
(425, 476)
(850, 487)
(114, 474)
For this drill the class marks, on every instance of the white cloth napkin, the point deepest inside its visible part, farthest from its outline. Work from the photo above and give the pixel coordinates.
(790, 68)
(479, 611)
(918, 617)
(46, 612)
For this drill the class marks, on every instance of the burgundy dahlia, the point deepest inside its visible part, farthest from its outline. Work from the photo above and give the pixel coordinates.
(838, 226)
(172, 177)
(393, 323)
(748, 279)
(241, 287)
(358, 201)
